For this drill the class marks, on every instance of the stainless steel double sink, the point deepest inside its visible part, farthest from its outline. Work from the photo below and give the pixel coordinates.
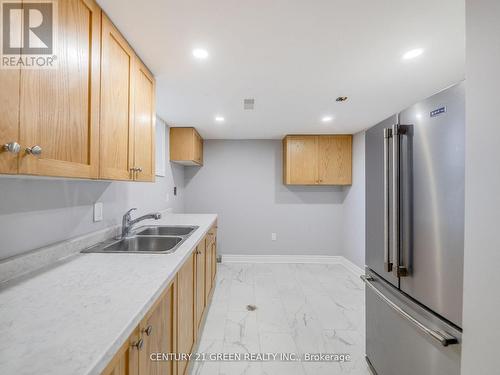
(151, 239)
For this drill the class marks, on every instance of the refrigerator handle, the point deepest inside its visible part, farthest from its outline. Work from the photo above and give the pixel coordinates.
(444, 338)
(387, 251)
(398, 269)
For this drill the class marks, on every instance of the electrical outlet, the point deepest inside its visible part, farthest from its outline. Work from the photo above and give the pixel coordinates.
(273, 236)
(98, 211)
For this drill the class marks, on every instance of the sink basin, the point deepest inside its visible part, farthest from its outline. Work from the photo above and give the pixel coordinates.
(156, 230)
(154, 245)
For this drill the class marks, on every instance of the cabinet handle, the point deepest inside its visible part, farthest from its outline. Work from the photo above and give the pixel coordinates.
(35, 150)
(148, 330)
(139, 344)
(13, 147)
(138, 169)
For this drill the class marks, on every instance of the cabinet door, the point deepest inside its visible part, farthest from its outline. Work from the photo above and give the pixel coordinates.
(116, 125)
(144, 124)
(198, 148)
(156, 331)
(200, 281)
(126, 361)
(214, 260)
(334, 160)
(208, 266)
(9, 118)
(302, 160)
(59, 107)
(185, 311)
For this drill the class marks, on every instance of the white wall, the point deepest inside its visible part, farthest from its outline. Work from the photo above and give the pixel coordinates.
(353, 247)
(482, 189)
(242, 182)
(35, 212)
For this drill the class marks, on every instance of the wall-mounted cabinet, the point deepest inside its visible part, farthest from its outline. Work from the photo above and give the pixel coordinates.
(54, 120)
(127, 111)
(117, 111)
(91, 117)
(317, 160)
(186, 146)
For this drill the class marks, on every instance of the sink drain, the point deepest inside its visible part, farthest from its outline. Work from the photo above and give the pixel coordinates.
(251, 307)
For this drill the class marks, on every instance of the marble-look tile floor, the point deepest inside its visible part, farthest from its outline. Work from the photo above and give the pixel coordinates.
(301, 308)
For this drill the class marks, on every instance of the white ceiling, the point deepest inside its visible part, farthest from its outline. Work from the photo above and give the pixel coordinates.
(294, 57)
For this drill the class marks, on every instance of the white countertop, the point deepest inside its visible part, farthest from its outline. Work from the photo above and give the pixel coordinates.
(72, 318)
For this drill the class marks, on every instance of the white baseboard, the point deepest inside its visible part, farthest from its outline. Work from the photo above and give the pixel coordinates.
(305, 259)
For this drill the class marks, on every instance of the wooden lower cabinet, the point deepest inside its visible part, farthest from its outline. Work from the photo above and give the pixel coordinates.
(185, 311)
(214, 261)
(126, 361)
(200, 282)
(173, 323)
(157, 334)
(208, 267)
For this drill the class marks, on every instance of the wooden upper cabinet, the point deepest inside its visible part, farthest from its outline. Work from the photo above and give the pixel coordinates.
(335, 159)
(186, 146)
(117, 111)
(144, 123)
(317, 160)
(301, 159)
(9, 118)
(59, 107)
(83, 118)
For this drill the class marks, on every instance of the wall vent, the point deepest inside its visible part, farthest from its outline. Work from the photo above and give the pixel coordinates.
(249, 104)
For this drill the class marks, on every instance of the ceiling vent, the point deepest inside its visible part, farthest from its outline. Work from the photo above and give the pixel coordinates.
(249, 104)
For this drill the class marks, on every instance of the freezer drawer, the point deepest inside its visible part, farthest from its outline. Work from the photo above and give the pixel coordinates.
(396, 346)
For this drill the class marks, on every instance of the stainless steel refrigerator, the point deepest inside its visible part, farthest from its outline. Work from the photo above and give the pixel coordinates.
(414, 237)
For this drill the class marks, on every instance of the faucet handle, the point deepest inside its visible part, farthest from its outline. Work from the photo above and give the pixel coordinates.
(129, 211)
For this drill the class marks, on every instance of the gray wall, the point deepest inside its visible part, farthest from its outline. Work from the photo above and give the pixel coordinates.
(482, 187)
(241, 182)
(35, 212)
(354, 206)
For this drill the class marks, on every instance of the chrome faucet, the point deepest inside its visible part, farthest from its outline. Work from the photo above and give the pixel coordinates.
(127, 221)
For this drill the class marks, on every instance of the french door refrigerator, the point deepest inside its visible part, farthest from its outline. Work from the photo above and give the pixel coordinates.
(414, 238)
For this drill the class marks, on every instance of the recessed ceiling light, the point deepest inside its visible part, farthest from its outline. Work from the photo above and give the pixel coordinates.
(200, 53)
(341, 99)
(327, 119)
(411, 54)
(219, 119)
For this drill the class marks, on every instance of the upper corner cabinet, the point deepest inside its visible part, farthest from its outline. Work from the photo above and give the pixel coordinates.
(186, 146)
(317, 160)
(127, 110)
(51, 128)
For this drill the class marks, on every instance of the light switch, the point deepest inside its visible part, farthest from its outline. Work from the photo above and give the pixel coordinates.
(98, 208)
